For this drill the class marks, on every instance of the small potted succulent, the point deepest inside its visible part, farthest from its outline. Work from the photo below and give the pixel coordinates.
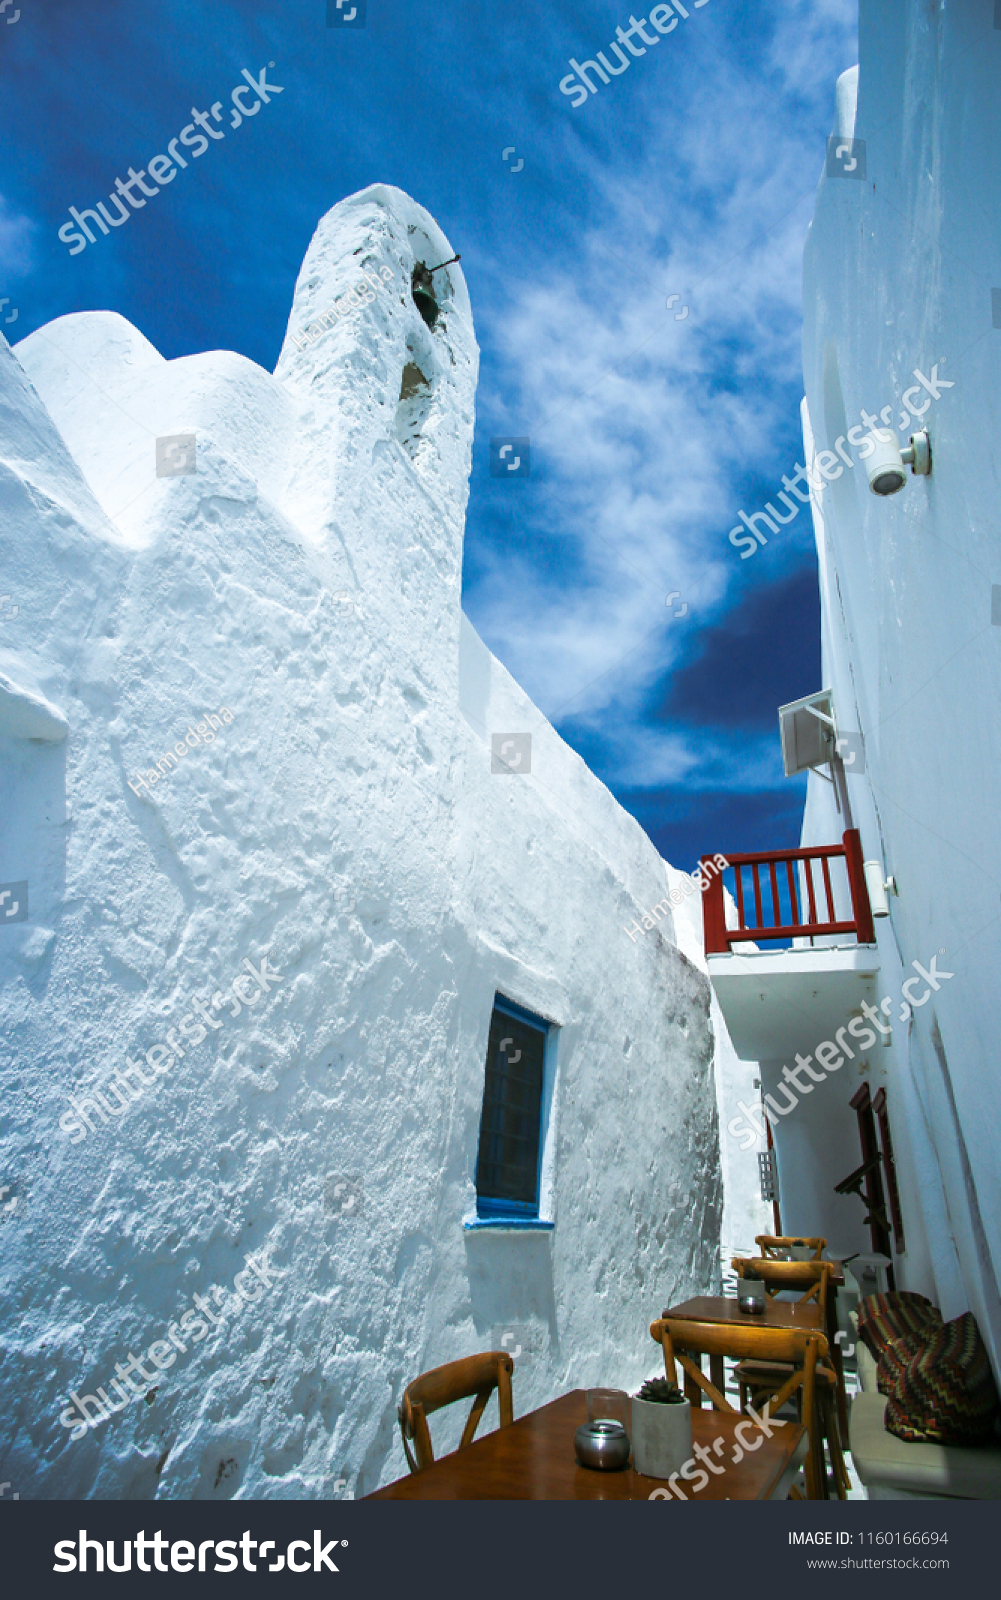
(662, 1429)
(800, 1251)
(751, 1294)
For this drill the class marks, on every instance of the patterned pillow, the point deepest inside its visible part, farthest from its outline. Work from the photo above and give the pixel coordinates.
(897, 1355)
(886, 1317)
(946, 1394)
(903, 1303)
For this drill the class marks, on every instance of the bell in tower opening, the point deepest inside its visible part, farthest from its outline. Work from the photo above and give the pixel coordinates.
(422, 289)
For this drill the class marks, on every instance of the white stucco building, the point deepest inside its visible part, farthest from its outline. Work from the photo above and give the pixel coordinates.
(245, 729)
(902, 319)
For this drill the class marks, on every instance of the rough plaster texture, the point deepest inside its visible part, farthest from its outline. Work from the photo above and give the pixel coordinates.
(899, 275)
(307, 578)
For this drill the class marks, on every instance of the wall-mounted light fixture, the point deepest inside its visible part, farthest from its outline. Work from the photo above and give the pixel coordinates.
(878, 888)
(885, 467)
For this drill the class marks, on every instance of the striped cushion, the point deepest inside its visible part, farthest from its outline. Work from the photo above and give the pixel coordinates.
(902, 1304)
(896, 1356)
(946, 1393)
(884, 1318)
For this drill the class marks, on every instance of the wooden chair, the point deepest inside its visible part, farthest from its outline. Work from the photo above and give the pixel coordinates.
(680, 1339)
(771, 1245)
(457, 1380)
(757, 1379)
(813, 1277)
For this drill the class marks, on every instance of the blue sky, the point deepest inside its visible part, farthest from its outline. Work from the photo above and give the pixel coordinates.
(692, 173)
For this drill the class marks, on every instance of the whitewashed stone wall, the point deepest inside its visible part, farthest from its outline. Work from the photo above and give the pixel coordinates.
(306, 1167)
(900, 269)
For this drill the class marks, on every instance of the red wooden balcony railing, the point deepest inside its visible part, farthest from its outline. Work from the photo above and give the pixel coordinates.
(784, 871)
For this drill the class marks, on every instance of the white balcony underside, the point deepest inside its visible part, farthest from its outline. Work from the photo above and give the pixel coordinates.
(776, 1002)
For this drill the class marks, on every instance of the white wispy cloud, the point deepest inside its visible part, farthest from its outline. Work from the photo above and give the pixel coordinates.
(643, 426)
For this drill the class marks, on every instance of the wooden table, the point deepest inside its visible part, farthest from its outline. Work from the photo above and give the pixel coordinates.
(534, 1459)
(777, 1313)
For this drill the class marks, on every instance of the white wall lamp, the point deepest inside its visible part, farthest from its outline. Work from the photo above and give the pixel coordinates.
(885, 467)
(879, 888)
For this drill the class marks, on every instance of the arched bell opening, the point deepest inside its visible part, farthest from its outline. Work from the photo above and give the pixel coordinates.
(413, 409)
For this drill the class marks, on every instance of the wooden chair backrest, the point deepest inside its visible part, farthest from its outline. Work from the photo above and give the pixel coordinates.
(771, 1244)
(478, 1376)
(812, 1276)
(680, 1339)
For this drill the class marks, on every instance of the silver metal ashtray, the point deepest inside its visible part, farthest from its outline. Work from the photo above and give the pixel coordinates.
(603, 1445)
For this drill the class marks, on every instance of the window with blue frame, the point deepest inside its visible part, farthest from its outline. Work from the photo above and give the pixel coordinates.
(509, 1158)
